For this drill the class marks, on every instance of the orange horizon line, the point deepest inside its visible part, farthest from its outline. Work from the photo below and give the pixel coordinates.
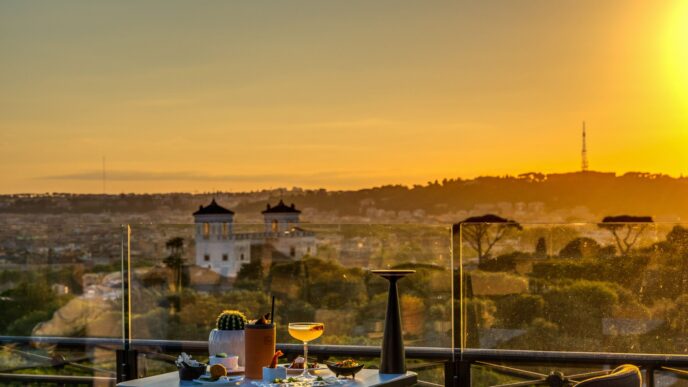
(91, 193)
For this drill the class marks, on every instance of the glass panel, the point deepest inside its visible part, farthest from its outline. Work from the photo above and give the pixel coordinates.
(670, 379)
(605, 287)
(505, 374)
(61, 298)
(184, 275)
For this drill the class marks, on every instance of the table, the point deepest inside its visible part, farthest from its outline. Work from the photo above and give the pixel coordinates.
(365, 378)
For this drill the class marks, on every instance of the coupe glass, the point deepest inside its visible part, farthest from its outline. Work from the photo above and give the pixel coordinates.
(306, 331)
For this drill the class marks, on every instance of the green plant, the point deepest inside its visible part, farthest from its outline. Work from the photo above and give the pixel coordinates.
(231, 320)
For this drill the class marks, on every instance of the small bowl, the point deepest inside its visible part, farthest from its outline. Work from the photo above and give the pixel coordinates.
(230, 362)
(270, 374)
(344, 371)
(191, 373)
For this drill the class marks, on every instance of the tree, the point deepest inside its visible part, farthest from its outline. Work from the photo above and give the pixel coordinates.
(678, 315)
(579, 309)
(678, 238)
(518, 310)
(250, 276)
(175, 245)
(483, 232)
(626, 229)
(541, 248)
(581, 248)
(29, 303)
(175, 261)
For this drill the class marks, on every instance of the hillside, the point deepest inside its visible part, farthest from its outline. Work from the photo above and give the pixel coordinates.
(555, 197)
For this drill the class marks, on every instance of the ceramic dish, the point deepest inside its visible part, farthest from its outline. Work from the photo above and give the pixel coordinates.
(221, 381)
(293, 371)
(345, 371)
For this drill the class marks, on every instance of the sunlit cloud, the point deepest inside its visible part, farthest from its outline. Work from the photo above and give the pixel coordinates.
(161, 102)
(353, 124)
(130, 175)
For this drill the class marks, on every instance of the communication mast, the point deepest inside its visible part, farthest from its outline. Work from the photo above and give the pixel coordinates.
(584, 153)
(103, 176)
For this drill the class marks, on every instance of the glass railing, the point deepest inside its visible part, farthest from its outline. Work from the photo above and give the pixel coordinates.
(61, 300)
(184, 275)
(565, 288)
(583, 287)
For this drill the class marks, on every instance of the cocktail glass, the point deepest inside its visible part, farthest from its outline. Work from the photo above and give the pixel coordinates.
(306, 331)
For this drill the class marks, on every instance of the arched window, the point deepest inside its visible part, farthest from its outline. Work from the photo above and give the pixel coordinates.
(275, 225)
(225, 230)
(206, 230)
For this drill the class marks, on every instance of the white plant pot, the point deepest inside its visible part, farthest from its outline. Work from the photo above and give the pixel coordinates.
(229, 342)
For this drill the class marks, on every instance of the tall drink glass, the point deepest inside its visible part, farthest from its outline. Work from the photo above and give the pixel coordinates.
(260, 347)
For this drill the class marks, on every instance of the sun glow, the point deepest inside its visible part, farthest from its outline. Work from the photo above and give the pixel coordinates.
(676, 50)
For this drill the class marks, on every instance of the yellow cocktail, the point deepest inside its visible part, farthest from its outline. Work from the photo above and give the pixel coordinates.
(306, 331)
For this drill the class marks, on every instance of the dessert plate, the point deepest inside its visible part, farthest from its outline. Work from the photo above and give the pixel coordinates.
(293, 371)
(222, 381)
(236, 371)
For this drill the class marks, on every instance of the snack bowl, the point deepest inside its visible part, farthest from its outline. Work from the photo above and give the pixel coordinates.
(188, 372)
(344, 371)
(270, 374)
(230, 362)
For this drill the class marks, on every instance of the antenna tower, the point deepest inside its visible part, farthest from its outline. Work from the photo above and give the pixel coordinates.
(584, 153)
(104, 191)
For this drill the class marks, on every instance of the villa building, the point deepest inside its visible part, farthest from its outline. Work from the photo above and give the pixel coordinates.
(224, 251)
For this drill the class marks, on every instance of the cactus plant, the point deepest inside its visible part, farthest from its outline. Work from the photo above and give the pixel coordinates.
(228, 337)
(231, 320)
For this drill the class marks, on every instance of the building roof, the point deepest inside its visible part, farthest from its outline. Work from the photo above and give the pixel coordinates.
(213, 209)
(281, 208)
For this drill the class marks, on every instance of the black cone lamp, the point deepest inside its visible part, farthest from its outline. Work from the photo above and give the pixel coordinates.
(393, 358)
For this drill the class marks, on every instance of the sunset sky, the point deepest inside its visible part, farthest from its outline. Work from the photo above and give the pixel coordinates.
(209, 95)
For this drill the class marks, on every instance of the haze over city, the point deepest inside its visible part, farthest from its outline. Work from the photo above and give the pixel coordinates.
(242, 96)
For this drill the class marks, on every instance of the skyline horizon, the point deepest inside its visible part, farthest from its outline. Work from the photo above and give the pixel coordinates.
(290, 187)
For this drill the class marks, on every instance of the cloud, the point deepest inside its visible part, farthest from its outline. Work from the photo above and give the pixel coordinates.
(364, 123)
(124, 175)
(161, 102)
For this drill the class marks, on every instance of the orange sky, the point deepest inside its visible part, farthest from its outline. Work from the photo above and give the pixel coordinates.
(206, 95)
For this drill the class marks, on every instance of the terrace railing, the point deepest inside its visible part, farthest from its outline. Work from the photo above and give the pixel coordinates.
(458, 366)
(491, 304)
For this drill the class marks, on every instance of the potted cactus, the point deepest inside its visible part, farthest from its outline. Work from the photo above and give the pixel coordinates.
(228, 337)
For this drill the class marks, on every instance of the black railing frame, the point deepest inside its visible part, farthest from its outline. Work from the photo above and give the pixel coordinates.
(457, 363)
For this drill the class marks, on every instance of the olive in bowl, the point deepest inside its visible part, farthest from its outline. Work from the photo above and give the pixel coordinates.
(345, 367)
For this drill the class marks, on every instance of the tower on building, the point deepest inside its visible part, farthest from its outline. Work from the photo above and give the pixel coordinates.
(216, 247)
(213, 220)
(281, 217)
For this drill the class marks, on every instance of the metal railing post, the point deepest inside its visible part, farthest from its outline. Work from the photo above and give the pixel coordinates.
(463, 373)
(450, 373)
(650, 374)
(127, 365)
(127, 358)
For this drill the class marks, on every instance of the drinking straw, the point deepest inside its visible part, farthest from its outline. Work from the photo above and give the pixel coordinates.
(272, 311)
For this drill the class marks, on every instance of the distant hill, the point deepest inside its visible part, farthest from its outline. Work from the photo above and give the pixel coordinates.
(600, 193)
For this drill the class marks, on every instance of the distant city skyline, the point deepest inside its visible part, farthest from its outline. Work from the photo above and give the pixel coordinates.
(240, 96)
